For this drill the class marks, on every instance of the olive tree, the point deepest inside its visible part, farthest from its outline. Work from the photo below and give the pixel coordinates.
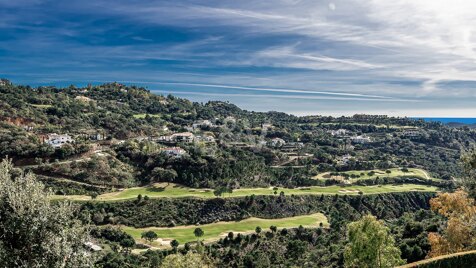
(34, 231)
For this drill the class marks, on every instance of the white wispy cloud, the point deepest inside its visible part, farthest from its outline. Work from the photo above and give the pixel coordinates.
(265, 96)
(376, 49)
(276, 90)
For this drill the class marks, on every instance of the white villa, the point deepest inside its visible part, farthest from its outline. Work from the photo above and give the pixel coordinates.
(183, 137)
(187, 137)
(57, 141)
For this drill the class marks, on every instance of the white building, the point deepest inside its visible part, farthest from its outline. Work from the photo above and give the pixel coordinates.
(412, 133)
(174, 151)
(167, 138)
(361, 139)
(97, 136)
(187, 137)
(276, 142)
(57, 140)
(339, 132)
(183, 137)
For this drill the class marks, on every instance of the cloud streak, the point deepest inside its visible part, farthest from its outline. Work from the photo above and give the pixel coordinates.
(275, 90)
(264, 96)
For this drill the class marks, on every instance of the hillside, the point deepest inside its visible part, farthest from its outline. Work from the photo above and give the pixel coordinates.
(148, 170)
(122, 131)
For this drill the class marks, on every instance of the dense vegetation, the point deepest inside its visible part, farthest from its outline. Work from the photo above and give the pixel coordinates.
(34, 232)
(172, 212)
(121, 139)
(119, 112)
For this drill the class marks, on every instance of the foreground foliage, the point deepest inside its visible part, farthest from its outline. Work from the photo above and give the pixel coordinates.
(460, 231)
(371, 245)
(34, 232)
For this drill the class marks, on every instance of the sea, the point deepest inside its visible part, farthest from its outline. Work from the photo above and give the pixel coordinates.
(447, 120)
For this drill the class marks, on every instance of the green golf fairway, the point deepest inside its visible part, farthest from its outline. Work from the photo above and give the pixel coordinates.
(164, 190)
(395, 172)
(214, 231)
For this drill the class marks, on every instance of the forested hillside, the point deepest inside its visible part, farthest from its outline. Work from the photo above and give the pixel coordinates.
(141, 168)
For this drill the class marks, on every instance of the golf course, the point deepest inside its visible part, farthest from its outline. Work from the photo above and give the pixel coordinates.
(214, 231)
(373, 174)
(165, 190)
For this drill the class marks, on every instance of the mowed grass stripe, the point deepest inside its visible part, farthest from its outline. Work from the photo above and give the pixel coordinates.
(214, 231)
(164, 190)
(395, 172)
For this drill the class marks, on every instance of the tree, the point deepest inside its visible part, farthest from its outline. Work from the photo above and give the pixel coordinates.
(35, 232)
(468, 181)
(127, 243)
(370, 245)
(190, 260)
(174, 243)
(218, 191)
(149, 236)
(198, 232)
(460, 231)
(160, 174)
(258, 229)
(229, 191)
(296, 248)
(221, 190)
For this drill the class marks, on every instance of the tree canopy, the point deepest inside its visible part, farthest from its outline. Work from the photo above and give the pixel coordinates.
(35, 232)
(370, 245)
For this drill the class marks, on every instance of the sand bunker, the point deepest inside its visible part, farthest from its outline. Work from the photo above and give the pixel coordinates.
(345, 191)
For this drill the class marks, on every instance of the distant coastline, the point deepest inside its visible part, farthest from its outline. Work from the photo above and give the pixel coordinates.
(448, 120)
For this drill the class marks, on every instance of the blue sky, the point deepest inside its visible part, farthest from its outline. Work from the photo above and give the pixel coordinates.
(406, 58)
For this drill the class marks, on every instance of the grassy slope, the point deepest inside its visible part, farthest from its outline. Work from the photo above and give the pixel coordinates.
(177, 191)
(395, 172)
(213, 231)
